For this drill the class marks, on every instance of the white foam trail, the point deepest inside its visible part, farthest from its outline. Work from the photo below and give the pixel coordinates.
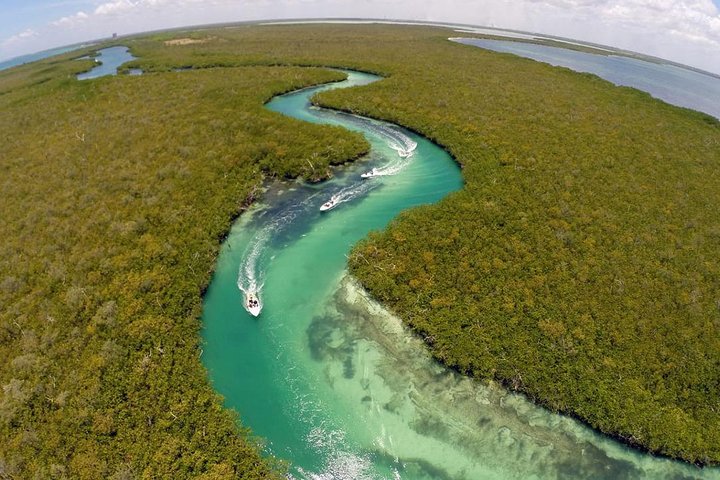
(392, 168)
(353, 191)
(251, 273)
(398, 141)
(250, 279)
(393, 135)
(395, 139)
(401, 151)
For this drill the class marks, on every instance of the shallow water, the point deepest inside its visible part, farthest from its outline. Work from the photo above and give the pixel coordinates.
(673, 84)
(338, 386)
(109, 60)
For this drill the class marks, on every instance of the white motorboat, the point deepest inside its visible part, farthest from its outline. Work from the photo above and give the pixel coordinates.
(252, 304)
(329, 205)
(372, 173)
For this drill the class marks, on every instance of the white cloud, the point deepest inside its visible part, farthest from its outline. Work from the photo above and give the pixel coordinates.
(687, 31)
(24, 35)
(27, 33)
(694, 20)
(71, 20)
(125, 6)
(115, 8)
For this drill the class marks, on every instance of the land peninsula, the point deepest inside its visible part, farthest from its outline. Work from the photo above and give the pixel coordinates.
(578, 264)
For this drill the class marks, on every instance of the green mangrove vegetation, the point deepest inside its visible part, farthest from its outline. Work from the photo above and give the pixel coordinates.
(116, 194)
(578, 265)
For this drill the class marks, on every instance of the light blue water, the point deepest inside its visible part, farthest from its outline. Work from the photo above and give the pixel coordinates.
(675, 85)
(336, 384)
(13, 62)
(108, 62)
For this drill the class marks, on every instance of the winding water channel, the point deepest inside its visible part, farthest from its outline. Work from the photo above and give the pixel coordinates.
(339, 387)
(108, 60)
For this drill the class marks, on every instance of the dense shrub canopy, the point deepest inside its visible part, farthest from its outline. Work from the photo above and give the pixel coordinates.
(116, 193)
(578, 264)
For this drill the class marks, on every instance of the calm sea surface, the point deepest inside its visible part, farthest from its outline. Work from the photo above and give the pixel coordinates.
(13, 62)
(675, 85)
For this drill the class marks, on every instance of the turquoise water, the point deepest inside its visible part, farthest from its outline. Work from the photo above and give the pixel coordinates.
(673, 84)
(109, 60)
(336, 384)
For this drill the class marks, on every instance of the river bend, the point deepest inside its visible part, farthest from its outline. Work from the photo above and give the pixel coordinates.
(338, 386)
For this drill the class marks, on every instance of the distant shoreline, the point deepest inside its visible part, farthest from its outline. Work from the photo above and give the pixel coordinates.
(536, 37)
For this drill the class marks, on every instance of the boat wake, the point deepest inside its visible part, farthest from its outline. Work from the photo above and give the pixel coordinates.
(395, 138)
(347, 194)
(392, 168)
(250, 280)
(255, 259)
(398, 141)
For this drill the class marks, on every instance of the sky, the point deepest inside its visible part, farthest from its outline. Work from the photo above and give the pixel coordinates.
(685, 31)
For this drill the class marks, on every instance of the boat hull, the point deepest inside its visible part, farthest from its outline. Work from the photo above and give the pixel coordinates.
(252, 304)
